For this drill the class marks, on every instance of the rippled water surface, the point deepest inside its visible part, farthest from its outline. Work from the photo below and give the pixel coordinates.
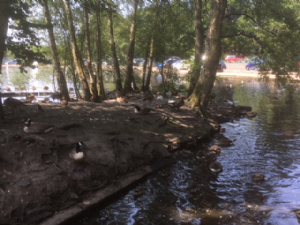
(193, 195)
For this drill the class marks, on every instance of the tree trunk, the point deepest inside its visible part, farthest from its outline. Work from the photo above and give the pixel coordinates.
(154, 25)
(61, 80)
(100, 85)
(145, 65)
(199, 46)
(76, 53)
(93, 83)
(113, 49)
(4, 9)
(200, 96)
(130, 78)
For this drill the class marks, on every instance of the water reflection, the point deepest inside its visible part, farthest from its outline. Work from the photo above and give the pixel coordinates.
(193, 195)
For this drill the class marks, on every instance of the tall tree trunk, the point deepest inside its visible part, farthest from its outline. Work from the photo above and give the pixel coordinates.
(100, 85)
(130, 78)
(154, 25)
(145, 64)
(93, 83)
(200, 96)
(113, 49)
(61, 80)
(76, 53)
(199, 46)
(4, 9)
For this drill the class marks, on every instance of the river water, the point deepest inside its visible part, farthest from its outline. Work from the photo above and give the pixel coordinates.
(193, 195)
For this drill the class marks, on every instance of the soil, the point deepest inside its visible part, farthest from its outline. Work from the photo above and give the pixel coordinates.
(38, 178)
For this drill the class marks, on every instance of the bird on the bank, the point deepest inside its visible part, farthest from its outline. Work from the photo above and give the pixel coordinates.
(148, 97)
(37, 127)
(215, 167)
(7, 89)
(56, 95)
(33, 88)
(43, 128)
(258, 177)
(31, 97)
(141, 110)
(215, 149)
(13, 103)
(201, 154)
(177, 104)
(225, 142)
(78, 154)
(46, 88)
(122, 100)
(40, 108)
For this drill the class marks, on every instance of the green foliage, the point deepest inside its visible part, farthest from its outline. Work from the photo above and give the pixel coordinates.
(172, 81)
(19, 79)
(44, 74)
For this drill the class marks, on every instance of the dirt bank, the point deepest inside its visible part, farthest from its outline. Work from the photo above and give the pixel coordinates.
(39, 179)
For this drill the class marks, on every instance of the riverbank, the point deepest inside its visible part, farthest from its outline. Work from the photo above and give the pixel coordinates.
(40, 180)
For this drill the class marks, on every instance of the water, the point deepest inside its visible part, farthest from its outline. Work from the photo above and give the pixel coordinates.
(193, 195)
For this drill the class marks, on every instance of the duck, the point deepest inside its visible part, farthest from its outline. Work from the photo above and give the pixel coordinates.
(37, 127)
(258, 177)
(225, 142)
(56, 95)
(7, 89)
(201, 154)
(176, 104)
(251, 114)
(122, 100)
(31, 97)
(215, 167)
(33, 88)
(215, 149)
(46, 88)
(77, 153)
(139, 191)
(141, 110)
(222, 130)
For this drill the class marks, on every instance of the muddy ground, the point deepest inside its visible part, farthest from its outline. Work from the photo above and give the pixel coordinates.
(38, 178)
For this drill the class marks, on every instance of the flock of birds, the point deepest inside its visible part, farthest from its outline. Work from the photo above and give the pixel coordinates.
(78, 153)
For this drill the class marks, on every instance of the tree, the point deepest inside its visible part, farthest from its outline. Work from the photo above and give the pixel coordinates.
(200, 95)
(78, 61)
(61, 80)
(93, 82)
(113, 48)
(130, 78)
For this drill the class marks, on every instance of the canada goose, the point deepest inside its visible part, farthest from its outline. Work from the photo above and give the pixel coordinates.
(215, 167)
(13, 103)
(43, 128)
(56, 95)
(37, 127)
(225, 142)
(77, 154)
(177, 104)
(201, 154)
(258, 177)
(141, 110)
